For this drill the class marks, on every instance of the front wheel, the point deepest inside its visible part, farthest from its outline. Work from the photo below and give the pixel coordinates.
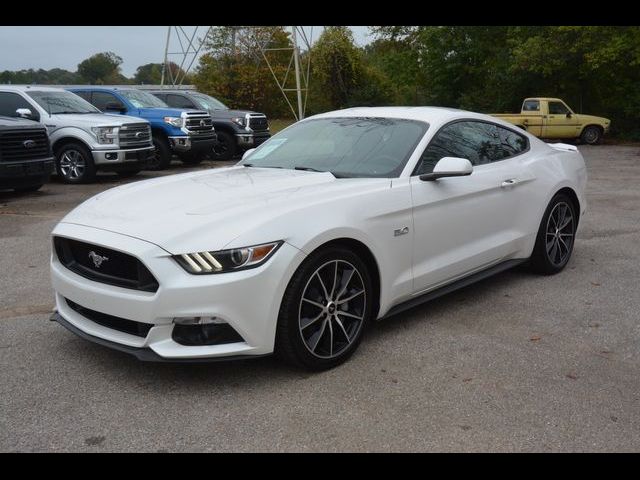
(160, 157)
(556, 235)
(591, 135)
(74, 164)
(225, 148)
(324, 310)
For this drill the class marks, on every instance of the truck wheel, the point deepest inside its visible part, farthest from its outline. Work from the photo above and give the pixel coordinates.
(160, 158)
(74, 164)
(591, 135)
(192, 158)
(225, 149)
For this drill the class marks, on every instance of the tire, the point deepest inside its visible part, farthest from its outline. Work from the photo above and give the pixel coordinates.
(226, 147)
(74, 164)
(591, 135)
(160, 158)
(192, 158)
(31, 188)
(554, 242)
(330, 338)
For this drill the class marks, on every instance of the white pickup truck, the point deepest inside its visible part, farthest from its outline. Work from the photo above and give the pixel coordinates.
(84, 140)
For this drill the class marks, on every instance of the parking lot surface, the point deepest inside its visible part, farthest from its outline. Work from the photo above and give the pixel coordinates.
(517, 362)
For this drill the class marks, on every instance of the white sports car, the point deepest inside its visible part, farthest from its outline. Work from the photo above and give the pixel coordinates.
(341, 218)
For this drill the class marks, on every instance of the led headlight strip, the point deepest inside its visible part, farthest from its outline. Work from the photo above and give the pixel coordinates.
(222, 261)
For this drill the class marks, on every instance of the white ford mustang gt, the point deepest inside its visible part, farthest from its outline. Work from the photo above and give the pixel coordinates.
(341, 218)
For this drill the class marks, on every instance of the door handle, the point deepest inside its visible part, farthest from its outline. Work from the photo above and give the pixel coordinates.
(509, 183)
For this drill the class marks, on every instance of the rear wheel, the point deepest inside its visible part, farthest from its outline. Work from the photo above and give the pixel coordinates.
(591, 135)
(160, 157)
(225, 148)
(556, 235)
(324, 310)
(74, 164)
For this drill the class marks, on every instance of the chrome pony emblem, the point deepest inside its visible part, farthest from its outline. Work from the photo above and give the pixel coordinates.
(97, 259)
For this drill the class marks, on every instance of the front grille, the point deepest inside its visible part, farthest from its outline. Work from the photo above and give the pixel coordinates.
(258, 123)
(135, 135)
(24, 144)
(198, 123)
(104, 265)
(131, 327)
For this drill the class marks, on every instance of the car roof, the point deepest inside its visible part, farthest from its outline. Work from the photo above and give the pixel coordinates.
(431, 115)
(26, 88)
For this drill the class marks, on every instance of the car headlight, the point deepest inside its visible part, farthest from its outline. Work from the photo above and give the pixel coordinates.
(177, 122)
(227, 260)
(239, 120)
(105, 135)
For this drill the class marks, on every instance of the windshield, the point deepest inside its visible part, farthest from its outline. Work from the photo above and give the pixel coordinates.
(143, 99)
(58, 102)
(346, 147)
(208, 103)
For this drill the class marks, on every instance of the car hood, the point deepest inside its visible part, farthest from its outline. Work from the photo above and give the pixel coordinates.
(592, 119)
(163, 112)
(230, 113)
(92, 119)
(206, 210)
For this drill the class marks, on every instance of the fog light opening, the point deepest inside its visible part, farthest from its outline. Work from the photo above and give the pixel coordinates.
(199, 331)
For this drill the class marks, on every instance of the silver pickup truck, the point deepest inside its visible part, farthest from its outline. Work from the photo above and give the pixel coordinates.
(83, 139)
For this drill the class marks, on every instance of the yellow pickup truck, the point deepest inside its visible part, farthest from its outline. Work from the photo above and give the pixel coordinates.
(552, 118)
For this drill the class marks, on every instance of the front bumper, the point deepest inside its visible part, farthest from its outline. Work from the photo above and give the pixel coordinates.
(192, 143)
(119, 157)
(179, 295)
(25, 173)
(251, 140)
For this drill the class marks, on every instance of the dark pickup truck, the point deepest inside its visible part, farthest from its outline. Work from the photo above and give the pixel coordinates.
(26, 160)
(238, 130)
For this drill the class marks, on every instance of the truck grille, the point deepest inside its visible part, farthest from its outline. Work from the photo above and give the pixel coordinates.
(198, 122)
(135, 135)
(24, 144)
(131, 327)
(115, 268)
(258, 123)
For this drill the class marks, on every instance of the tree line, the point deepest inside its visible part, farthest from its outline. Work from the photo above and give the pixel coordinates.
(595, 69)
(99, 69)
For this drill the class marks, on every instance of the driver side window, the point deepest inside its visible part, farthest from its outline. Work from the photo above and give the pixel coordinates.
(478, 142)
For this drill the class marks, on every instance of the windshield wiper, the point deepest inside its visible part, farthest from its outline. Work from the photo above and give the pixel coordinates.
(259, 166)
(310, 169)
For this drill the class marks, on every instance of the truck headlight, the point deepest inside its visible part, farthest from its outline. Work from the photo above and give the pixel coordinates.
(177, 122)
(227, 260)
(239, 120)
(105, 135)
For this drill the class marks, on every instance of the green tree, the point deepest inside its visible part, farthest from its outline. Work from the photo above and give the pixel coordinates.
(102, 68)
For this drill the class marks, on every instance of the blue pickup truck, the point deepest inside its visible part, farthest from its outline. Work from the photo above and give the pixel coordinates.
(188, 133)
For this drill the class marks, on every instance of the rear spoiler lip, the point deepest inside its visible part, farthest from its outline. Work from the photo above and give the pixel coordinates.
(565, 147)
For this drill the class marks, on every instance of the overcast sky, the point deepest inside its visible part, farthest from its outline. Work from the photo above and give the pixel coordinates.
(65, 47)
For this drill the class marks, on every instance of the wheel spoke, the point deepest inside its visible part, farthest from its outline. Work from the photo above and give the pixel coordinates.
(330, 337)
(320, 333)
(324, 289)
(306, 322)
(566, 223)
(335, 280)
(554, 249)
(319, 305)
(344, 287)
(346, 335)
(344, 300)
(347, 314)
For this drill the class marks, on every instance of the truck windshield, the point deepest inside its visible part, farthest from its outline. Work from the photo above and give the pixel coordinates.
(345, 147)
(143, 99)
(61, 102)
(208, 103)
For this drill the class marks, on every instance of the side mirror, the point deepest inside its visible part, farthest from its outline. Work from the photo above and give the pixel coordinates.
(117, 107)
(247, 153)
(449, 167)
(25, 113)
(568, 114)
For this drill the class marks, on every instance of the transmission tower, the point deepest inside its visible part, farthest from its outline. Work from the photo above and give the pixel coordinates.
(181, 48)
